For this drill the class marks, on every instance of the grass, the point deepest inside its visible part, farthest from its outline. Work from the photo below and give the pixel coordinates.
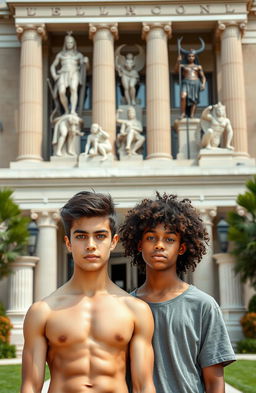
(10, 378)
(242, 375)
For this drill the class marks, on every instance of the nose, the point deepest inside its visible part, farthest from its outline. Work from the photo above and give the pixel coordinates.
(159, 245)
(90, 244)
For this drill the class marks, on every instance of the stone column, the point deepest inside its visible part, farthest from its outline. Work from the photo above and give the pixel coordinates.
(46, 269)
(20, 297)
(231, 299)
(233, 91)
(203, 276)
(103, 95)
(31, 93)
(158, 90)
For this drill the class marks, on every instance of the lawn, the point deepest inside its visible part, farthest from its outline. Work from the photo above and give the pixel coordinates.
(242, 375)
(10, 378)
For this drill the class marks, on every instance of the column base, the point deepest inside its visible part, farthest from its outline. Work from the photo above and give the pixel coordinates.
(157, 156)
(17, 339)
(232, 318)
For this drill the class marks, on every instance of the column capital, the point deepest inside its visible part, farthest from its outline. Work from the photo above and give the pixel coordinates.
(39, 29)
(94, 27)
(208, 214)
(224, 258)
(147, 27)
(223, 25)
(45, 218)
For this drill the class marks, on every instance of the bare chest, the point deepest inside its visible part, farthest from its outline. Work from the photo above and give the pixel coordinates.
(105, 322)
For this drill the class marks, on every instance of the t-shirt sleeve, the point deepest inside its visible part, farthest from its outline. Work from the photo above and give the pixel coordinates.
(215, 343)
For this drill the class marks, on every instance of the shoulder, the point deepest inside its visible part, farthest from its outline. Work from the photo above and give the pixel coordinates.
(37, 316)
(202, 299)
(138, 307)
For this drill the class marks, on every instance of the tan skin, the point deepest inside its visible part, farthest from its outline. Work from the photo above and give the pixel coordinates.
(85, 329)
(190, 71)
(160, 249)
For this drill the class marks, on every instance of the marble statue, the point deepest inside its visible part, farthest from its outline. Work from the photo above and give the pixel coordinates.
(129, 140)
(69, 71)
(65, 129)
(214, 123)
(98, 143)
(192, 79)
(127, 67)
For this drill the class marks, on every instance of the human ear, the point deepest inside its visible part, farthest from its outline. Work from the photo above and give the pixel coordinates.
(114, 242)
(182, 249)
(68, 243)
(139, 248)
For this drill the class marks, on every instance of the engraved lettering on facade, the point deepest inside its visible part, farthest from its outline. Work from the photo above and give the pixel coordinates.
(31, 11)
(103, 11)
(156, 10)
(180, 10)
(56, 11)
(204, 9)
(130, 10)
(229, 10)
(80, 11)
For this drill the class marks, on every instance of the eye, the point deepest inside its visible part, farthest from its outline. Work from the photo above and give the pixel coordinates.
(150, 238)
(101, 236)
(170, 240)
(81, 236)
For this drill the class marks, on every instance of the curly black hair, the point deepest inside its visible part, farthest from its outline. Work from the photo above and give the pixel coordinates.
(178, 215)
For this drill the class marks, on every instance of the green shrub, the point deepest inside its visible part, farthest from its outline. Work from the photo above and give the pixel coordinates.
(252, 304)
(248, 345)
(248, 322)
(2, 309)
(7, 351)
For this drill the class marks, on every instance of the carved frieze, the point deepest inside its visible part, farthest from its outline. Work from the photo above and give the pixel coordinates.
(128, 11)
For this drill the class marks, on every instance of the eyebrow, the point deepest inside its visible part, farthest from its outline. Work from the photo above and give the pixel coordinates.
(85, 232)
(154, 231)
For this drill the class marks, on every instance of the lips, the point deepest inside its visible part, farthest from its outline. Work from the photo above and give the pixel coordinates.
(91, 257)
(158, 256)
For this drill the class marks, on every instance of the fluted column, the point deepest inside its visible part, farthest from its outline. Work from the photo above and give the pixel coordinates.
(31, 93)
(231, 299)
(46, 269)
(103, 94)
(233, 91)
(20, 296)
(158, 90)
(203, 276)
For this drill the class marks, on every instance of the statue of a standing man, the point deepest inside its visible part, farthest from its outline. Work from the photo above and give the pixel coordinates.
(192, 79)
(70, 74)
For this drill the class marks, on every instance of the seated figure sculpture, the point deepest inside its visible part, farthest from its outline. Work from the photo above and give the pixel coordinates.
(127, 68)
(98, 143)
(129, 140)
(214, 123)
(65, 129)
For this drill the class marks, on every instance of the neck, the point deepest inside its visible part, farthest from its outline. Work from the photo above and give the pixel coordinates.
(162, 280)
(90, 283)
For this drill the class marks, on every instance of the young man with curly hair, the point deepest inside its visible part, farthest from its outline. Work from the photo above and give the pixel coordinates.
(191, 344)
(87, 327)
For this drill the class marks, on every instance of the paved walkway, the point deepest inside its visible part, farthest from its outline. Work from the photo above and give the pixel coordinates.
(229, 389)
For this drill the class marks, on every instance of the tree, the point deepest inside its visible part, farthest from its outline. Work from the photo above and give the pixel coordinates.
(13, 232)
(242, 231)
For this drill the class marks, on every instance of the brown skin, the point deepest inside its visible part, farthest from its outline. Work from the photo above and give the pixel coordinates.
(160, 249)
(190, 71)
(85, 328)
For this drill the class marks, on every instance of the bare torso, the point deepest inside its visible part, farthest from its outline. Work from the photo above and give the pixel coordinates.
(191, 71)
(87, 342)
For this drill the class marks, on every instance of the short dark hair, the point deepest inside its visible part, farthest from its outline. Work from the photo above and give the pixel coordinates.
(88, 204)
(178, 215)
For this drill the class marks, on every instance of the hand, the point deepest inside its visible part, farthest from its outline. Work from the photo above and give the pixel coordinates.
(179, 58)
(202, 87)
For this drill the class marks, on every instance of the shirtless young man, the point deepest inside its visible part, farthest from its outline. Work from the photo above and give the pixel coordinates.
(85, 329)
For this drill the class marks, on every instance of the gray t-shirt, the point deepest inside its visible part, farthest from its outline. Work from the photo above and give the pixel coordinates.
(190, 334)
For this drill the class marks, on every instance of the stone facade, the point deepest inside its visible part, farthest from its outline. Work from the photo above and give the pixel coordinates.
(42, 182)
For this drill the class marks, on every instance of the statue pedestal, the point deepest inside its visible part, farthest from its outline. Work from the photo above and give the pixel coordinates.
(64, 161)
(133, 157)
(86, 160)
(220, 157)
(189, 138)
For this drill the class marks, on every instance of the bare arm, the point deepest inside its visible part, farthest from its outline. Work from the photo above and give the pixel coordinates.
(141, 351)
(53, 68)
(214, 379)
(35, 349)
(178, 65)
(203, 78)
(206, 113)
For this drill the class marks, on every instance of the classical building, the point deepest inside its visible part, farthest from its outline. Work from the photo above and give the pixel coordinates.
(70, 72)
